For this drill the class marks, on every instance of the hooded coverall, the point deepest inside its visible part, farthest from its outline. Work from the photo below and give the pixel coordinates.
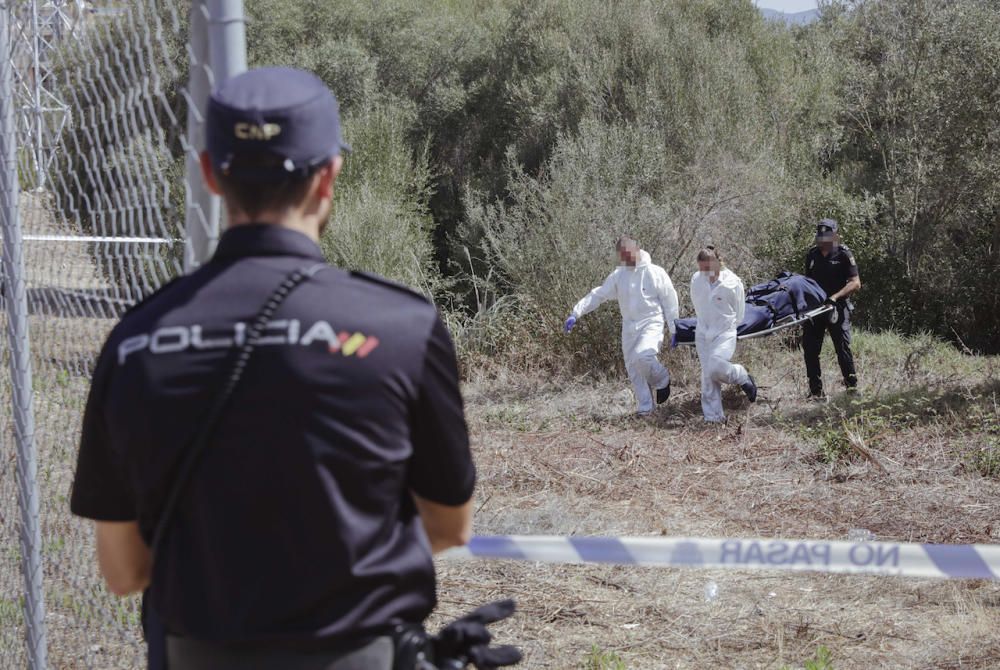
(648, 302)
(719, 307)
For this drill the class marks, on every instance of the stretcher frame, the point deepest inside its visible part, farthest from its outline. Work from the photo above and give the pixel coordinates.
(781, 324)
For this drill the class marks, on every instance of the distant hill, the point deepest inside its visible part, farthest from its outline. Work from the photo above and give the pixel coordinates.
(794, 19)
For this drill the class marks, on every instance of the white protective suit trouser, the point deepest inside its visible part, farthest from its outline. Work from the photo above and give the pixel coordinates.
(640, 347)
(716, 370)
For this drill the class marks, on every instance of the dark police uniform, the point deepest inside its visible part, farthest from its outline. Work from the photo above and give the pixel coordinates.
(831, 272)
(297, 530)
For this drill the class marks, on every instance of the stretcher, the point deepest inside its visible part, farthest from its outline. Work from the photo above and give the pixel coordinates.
(786, 301)
(789, 321)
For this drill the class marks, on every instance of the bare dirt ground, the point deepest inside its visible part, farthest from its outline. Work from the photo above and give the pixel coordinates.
(905, 459)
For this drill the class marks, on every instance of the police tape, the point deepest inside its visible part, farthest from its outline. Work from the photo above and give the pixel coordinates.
(948, 561)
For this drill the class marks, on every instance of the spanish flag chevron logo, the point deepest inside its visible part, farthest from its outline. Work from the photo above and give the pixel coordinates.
(356, 344)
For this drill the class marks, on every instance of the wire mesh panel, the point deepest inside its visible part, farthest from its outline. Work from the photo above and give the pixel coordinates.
(100, 102)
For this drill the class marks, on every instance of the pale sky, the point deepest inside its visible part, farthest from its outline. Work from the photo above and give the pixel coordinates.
(788, 6)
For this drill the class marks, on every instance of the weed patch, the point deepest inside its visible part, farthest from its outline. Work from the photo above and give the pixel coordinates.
(822, 660)
(848, 438)
(604, 660)
(982, 425)
(10, 612)
(986, 460)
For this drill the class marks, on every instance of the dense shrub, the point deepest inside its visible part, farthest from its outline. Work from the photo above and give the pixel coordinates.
(380, 222)
(683, 140)
(554, 240)
(920, 115)
(502, 145)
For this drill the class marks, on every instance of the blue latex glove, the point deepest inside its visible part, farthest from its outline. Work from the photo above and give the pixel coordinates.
(673, 341)
(570, 322)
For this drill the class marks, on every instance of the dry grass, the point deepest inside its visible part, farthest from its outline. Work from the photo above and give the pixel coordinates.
(568, 458)
(87, 627)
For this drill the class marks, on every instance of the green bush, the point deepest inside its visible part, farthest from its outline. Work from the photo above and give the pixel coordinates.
(674, 142)
(502, 145)
(380, 222)
(920, 135)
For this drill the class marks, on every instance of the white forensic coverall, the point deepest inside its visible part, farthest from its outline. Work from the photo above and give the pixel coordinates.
(719, 307)
(648, 302)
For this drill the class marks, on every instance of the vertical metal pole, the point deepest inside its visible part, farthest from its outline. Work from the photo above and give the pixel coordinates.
(16, 299)
(218, 51)
(202, 218)
(227, 38)
(37, 83)
(227, 42)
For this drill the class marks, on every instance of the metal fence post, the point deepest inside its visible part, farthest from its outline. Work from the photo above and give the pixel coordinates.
(37, 99)
(16, 300)
(227, 38)
(218, 51)
(202, 218)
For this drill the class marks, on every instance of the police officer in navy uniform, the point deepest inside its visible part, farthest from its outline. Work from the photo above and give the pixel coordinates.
(833, 267)
(340, 463)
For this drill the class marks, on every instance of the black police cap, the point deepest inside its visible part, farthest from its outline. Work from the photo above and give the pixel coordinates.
(279, 112)
(826, 226)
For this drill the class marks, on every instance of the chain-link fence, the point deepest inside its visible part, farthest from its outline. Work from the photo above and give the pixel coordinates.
(97, 209)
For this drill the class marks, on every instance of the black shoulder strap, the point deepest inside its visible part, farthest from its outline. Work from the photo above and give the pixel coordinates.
(201, 438)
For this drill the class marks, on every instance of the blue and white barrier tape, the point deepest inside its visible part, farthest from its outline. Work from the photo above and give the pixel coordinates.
(950, 561)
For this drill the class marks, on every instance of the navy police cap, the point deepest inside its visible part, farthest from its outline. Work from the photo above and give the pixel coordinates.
(280, 112)
(826, 226)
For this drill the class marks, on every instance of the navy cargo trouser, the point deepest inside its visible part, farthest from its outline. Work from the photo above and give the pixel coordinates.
(186, 654)
(813, 332)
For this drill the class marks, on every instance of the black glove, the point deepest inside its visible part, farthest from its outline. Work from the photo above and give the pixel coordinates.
(830, 301)
(466, 640)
